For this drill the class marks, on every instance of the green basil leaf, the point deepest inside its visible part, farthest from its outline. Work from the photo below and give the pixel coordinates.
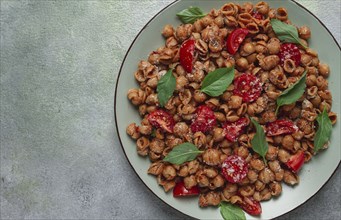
(259, 143)
(182, 153)
(190, 15)
(324, 131)
(231, 212)
(216, 82)
(286, 32)
(165, 87)
(293, 93)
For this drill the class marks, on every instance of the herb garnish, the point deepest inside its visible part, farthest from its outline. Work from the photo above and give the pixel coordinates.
(190, 15)
(231, 212)
(286, 32)
(182, 153)
(165, 87)
(216, 82)
(259, 143)
(324, 131)
(293, 93)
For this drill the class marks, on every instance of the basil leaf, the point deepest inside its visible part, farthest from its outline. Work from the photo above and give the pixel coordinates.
(324, 131)
(182, 153)
(293, 93)
(259, 143)
(231, 212)
(286, 32)
(190, 15)
(217, 81)
(165, 87)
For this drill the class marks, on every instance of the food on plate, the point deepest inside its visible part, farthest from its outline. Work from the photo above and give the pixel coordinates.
(232, 106)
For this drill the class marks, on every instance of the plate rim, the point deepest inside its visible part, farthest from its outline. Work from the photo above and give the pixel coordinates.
(115, 105)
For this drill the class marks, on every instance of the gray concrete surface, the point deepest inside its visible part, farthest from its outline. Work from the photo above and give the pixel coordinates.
(60, 155)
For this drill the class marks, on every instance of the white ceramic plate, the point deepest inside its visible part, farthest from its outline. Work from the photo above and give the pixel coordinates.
(313, 175)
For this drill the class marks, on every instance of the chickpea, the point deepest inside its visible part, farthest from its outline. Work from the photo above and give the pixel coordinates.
(210, 172)
(315, 62)
(323, 70)
(272, 153)
(248, 49)
(283, 155)
(261, 48)
(252, 175)
(259, 185)
(152, 99)
(235, 102)
(197, 26)
(211, 157)
(180, 129)
(288, 142)
(180, 71)
(251, 58)
(323, 105)
(306, 59)
(321, 83)
(304, 32)
(183, 32)
(219, 21)
(266, 176)
(242, 64)
(311, 80)
(218, 134)
(207, 20)
(241, 151)
(262, 7)
(257, 164)
(168, 31)
(268, 116)
(199, 96)
(220, 116)
(272, 13)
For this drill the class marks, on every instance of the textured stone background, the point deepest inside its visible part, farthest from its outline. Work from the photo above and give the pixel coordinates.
(60, 156)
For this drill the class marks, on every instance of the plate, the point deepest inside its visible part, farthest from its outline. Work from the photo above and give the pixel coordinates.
(312, 176)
